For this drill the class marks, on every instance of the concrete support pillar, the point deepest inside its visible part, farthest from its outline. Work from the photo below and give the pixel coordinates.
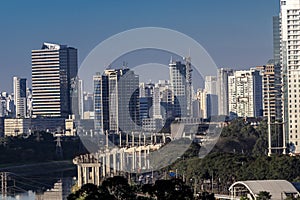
(97, 175)
(132, 139)
(127, 138)
(145, 159)
(144, 139)
(85, 177)
(107, 155)
(79, 181)
(103, 166)
(114, 163)
(140, 159)
(148, 163)
(106, 137)
(120, 139)
(121, 159)
(93, 175)
(133, 158)
(139, 139)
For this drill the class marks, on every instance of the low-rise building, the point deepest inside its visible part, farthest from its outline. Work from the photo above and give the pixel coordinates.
(15, 127)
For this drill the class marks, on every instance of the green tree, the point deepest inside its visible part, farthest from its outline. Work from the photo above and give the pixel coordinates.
(172, 189)
(263, 195)
(118, 187)
(90, 192)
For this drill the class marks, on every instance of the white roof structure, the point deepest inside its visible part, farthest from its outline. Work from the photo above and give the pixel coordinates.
(51, 46)
(279, 189)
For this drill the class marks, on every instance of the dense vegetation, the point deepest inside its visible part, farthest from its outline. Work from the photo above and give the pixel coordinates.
(240, 154)
(118, 188)
(39, 147)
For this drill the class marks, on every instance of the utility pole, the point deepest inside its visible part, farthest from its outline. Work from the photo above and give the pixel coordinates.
(59, 151)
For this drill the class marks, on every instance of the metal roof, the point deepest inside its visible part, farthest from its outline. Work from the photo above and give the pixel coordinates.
(277, 188)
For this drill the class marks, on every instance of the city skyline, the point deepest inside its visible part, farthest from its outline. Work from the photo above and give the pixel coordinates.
(85, 25)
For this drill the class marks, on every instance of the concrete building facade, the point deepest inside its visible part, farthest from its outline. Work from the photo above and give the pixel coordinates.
(222, 90)
(245, 93)
(290, 63)
(53, 68)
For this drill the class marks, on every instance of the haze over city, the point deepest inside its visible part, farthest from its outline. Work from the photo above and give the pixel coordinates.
(237, 34)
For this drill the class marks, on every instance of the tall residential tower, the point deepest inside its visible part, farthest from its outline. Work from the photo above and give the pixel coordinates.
(290, 63)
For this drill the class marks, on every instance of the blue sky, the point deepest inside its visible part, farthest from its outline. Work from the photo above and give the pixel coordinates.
(236, 33)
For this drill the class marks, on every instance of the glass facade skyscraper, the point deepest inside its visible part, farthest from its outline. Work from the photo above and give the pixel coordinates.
(178, 75)
(116, 101)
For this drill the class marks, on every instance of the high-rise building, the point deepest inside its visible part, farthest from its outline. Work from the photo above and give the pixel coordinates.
(189, 85)
(116, 100)
(146, 100)
(76, 95)
(53, 68)
(290, 63)
(3, 107)
(212, 98)
(29, 102)
(222, 90)
(20, 97)
(245, 93)
(272, 91)
(202, 101)
(180, 79)
(166, 96)
(80, 98)
(156, 103)
(88, 102)
(276, 40)
(211, 84)
(211, 105)
(101, 98)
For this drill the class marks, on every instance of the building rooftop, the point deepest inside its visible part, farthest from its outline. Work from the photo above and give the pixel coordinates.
(279, 189)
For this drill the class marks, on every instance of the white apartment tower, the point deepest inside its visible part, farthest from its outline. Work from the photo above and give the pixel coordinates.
(290, 62)
(245, 93)
(181, 83)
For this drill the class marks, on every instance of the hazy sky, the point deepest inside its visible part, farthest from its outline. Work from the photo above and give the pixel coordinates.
(236, 33)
